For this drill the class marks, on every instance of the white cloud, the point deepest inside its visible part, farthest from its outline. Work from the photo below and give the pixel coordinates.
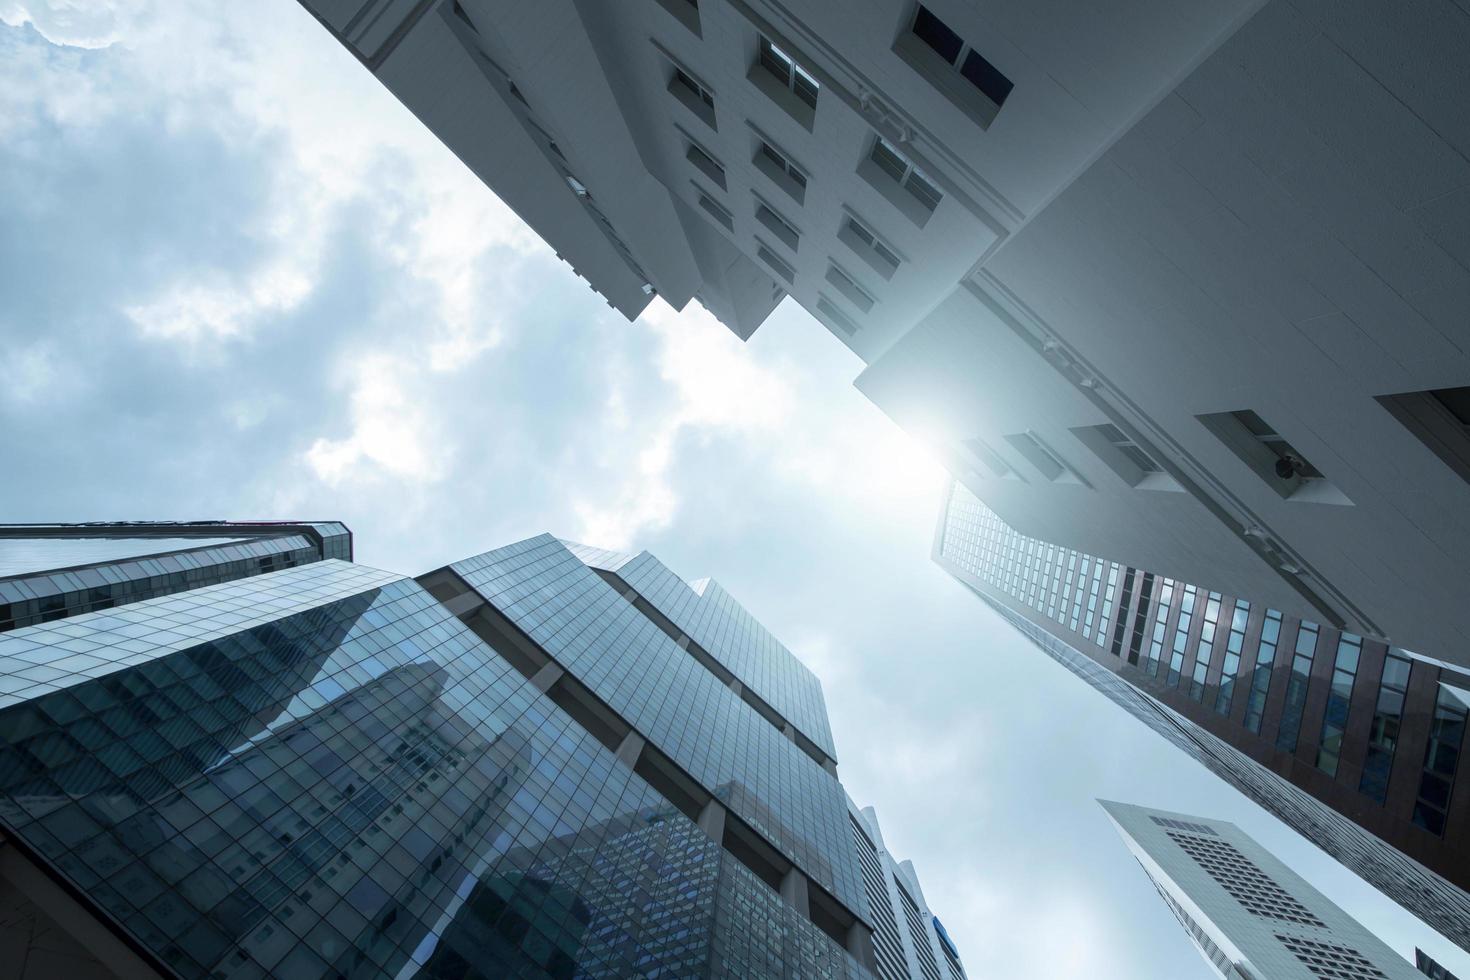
(392, 435)
(75, 23)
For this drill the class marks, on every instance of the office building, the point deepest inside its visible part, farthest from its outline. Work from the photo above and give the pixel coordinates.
(1183, 285)
(546, 760)
(1430, 968)
(909, 942)
(1353, 744)
(1250, 916)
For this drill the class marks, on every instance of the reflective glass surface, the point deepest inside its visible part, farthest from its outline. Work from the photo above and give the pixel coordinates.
(22, 556)
(319, 772)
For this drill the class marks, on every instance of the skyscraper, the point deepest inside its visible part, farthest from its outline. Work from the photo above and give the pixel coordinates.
(1178, 285)
(1430, 968)
(1249, 915)
(1353, 744)
(544, 760)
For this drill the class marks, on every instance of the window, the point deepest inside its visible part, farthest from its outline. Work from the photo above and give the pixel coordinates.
(992, 460)
(1193, 828)
(1233, 646)
(706, 164)
(868, 246)
(1283, 467)
(1329, 961)
(1181, 635)
(848, 287)
(777, 265)
(1383, 736)
(696, 97)
(782, 172)
(785, 70)
(1339, 698)
(1043, 457)
(1255, 707)
(1206, 648)
(1441, 759)
(717, 211)
(1125, 457)
(1296, 687)
(897, 166)
(948, 62)
(1439, 418)
(1161, 620)
(1255, 890)
(778, 226)
(835, 316)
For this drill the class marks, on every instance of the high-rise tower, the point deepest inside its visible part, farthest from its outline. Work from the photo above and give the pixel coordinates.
(1249, 915)
(1353, 744)
(544, 760)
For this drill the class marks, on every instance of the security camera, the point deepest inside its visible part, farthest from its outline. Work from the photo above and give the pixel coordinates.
(1288, 467)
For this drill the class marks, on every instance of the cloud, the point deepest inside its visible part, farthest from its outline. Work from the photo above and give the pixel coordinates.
(391, 435)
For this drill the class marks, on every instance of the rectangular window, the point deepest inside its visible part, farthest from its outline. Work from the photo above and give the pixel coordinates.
(777, 265)
(952, 48)
(776, 165)
(1439, 418)
(1441, 760)
(1161, 621)
(786, 82)
(1046, 460)
(1206, 648)
(1383, 737)
(1255, 706)
(1140, 615)
(868, 246)
(778, 226)
(991, 459)
(836, 317)
(1339, 700)
(1283, 467)
(1125, 457)
(1233, 647)
(905, 186)
(706, 164)
(695, 96)
(717, 211)
(1181, 635)
(1107, 611)
(848, 287)
(1296, 687)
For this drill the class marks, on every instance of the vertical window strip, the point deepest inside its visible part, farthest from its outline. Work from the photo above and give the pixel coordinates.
(1107, 608)
(1383, 736)
(1181, 634)
(1231, 666)
(1296, 687)
(1161, 619)
(1339, 700)
(1441, 760)
(1206, 648)
(1255, 708)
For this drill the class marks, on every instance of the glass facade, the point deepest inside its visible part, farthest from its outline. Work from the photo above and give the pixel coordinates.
(323, 771)
(1298, 748)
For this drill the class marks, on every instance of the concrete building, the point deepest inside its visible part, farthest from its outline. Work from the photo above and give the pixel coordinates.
(1353, 744)
(909, 942)
(1250, 916)
(1430, 968)
(543, 761)
(1182, 284)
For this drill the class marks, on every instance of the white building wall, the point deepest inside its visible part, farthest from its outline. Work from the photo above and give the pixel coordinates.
(1252, 943)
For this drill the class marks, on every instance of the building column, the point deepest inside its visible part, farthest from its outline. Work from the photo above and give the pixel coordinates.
(712, 820)
(630, 748)
(546, 676)
(794, 891)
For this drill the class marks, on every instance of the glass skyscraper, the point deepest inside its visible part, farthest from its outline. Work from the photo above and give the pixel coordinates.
(1353, 744)
(543, 761)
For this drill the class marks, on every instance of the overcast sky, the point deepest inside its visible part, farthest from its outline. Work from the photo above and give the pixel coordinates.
(239, 280)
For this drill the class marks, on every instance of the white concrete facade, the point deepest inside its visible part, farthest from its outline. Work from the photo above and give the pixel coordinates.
(1176, 211)
(1250, 916)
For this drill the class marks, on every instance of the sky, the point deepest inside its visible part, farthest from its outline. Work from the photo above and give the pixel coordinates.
(239, 280)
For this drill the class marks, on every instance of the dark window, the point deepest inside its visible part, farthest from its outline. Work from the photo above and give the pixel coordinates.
(785, 70)
(1255, 706)
(910, 177)
(1383, 737)
(778, 159)
(1439, 418)
(1296, 687)
(689, 83)
(943, 41)
(1441, 760)
(1233, 647)
(1339, 698)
